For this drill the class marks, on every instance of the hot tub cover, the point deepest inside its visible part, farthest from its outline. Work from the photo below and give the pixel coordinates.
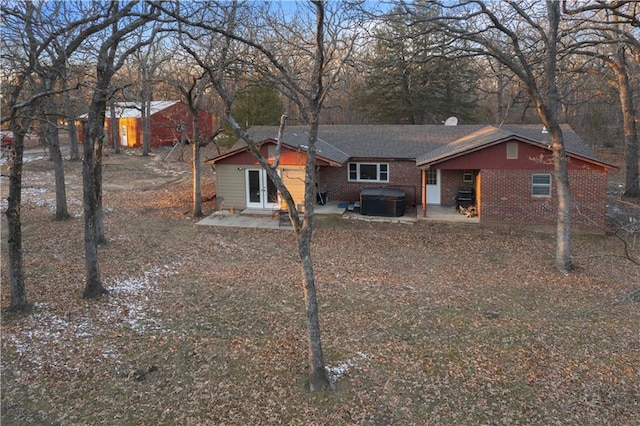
(382, 193)
(382, 202)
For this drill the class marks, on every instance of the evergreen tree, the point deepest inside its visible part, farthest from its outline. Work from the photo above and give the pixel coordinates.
(414, 78)
(258, 105)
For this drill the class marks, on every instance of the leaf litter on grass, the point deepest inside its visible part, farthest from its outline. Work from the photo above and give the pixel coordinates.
(54, 340)
(427, 325)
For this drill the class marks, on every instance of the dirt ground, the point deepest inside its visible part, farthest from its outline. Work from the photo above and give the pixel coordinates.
(422, 324)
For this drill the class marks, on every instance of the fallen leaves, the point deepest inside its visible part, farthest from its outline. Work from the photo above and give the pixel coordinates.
(429, 324)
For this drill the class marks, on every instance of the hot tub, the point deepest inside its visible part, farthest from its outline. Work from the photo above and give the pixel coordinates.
(387, 202)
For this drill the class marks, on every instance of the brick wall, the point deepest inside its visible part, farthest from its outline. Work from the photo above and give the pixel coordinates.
(402, 174)
(451, 181)
(506, 198)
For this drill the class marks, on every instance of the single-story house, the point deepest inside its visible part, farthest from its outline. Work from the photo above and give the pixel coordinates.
(167, 119)
(507, 170)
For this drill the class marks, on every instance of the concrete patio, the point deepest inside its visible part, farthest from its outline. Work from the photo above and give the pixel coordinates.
(445, 215)
(265, 219)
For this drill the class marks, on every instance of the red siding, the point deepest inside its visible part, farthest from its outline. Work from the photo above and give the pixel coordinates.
(164, 124)
(495, 157)
(288, 157)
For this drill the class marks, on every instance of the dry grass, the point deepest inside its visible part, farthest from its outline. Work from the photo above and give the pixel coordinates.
(424, 324)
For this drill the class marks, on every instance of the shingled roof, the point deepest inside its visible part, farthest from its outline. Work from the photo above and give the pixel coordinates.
(297, 137)
(342, 142)
(491, 135)
(424, 143)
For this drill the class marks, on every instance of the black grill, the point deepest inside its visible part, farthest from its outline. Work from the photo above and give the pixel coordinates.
(465, 198)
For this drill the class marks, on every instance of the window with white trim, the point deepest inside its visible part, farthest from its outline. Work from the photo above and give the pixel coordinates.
(541, 185)
(369, 172)
(432, 177)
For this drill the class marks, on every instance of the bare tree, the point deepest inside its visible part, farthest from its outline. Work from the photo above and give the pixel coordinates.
(305, 64)
(70, 115)
(24, 46)
(50, 69)
(53, 142)
(194, 95)
(194, 86)
(605, 30)
(148, 61)
(112, 53)
(524, 37)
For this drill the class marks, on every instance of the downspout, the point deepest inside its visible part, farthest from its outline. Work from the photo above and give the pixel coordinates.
(423, 190)
(478, 183)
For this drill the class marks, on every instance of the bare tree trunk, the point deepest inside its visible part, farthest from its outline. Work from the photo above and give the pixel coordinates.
(549, 117)
(317, 373)
(106, 67)
(563, 226)
(197, 191)
(61, 193)
(619, 30)
(311, 95)
(97, 175)
(74, 152)
(53, 141)
(632, 178)
(146, 124)
(41, 129)
(196, 167)
(19, 301)
(183, 141)
(114, 128)
(93, 284)
(92, 181)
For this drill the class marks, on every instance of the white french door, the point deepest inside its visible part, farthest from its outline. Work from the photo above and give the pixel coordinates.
(260, 189)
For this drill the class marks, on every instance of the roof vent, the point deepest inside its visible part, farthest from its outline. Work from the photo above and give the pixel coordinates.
(544, 130)
(451, 121)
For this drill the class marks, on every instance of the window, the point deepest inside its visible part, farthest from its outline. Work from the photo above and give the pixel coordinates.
(271, 152)
(512, 150)
(541, 185)
(370, 172)
(432, 177)
(467, 175)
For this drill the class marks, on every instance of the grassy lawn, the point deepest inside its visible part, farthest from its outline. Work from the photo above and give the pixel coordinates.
(422, 324)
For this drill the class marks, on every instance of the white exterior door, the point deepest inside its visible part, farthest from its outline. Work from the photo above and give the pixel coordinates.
(124, 140)
(260, 189)
(433, 186)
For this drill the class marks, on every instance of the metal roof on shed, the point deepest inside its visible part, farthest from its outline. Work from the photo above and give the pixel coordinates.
(134, 109)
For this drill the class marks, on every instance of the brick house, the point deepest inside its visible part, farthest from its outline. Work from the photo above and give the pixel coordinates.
(508, 170)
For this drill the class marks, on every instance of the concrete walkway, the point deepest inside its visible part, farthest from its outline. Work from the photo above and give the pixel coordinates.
(265, 219)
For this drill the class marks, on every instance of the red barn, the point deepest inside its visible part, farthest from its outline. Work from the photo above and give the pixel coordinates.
(167, 119)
